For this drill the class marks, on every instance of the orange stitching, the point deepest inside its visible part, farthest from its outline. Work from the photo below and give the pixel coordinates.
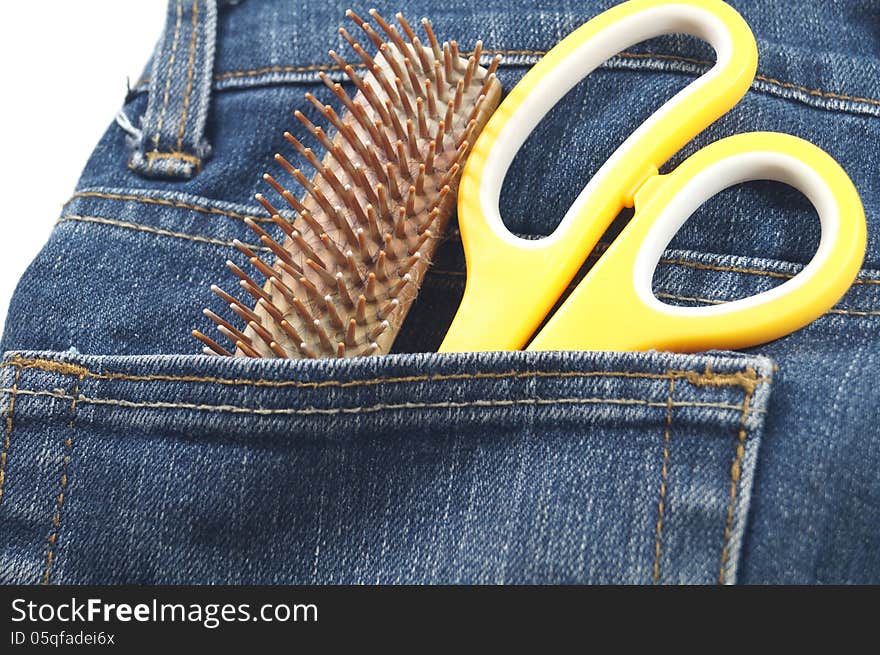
(712, 301)
(314, 411)
(280, 69)
(661, 504)
(731, 269)
(747, 379)
(738, 269)
(48, 365)
(189, 74)
(204, 209)
(539, 53)
(708, 301)
(8, 441)
(692, 377)
(652, 55)
(168, 81)
(853, 312)
(182, 156)
(817, 92)
(56, 519)
(154, 230)
(735, 473)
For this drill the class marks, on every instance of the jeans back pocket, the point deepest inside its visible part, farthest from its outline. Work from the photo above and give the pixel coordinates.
(476, 468)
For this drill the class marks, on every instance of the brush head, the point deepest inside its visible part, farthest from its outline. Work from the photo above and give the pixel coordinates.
(368, 221)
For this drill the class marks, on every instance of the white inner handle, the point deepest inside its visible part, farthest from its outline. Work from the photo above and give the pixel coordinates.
(630, 30)
(745, 167)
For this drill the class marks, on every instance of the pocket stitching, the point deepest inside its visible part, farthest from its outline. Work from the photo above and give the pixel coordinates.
(735, 475)
(314, 411)
(664, 476)
(7, 442)
(63, 483)
(743, 379)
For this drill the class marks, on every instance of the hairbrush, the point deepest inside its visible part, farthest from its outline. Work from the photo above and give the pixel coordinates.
(368, 222)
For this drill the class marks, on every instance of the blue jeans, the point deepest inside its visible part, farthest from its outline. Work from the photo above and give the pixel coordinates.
(128, 457)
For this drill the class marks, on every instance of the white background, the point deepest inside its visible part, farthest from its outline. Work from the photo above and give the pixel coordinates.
(63, 70)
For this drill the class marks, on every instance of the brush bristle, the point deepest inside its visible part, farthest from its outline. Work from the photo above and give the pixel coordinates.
(369, 220)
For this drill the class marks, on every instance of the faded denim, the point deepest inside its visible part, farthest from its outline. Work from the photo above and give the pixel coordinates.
(127, 457)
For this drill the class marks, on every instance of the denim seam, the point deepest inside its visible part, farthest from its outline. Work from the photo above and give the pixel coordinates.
(672, 296)
(157, 231)
(63, 483)
(738, 269)
(727, 567)
(370, 409)
(715, 301)
(601, 246)
(7, 440)
(636, 57)
(452, 236)
(231, 244)
(204, 209)
(664, 477)
(695, 378)
(313, 68)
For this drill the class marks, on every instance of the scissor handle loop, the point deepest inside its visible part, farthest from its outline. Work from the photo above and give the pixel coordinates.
(512, 282)
(614, 306)
(661, 135)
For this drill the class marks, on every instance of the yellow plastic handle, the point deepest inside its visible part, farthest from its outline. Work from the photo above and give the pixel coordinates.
(513, 283)
(614, 307)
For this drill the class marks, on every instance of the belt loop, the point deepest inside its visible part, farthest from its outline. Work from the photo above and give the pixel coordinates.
(171, 143)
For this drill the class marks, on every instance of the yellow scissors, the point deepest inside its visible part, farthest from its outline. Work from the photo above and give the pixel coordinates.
(513, 283)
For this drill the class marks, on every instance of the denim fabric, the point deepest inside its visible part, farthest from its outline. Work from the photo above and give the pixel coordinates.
(127, 457)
